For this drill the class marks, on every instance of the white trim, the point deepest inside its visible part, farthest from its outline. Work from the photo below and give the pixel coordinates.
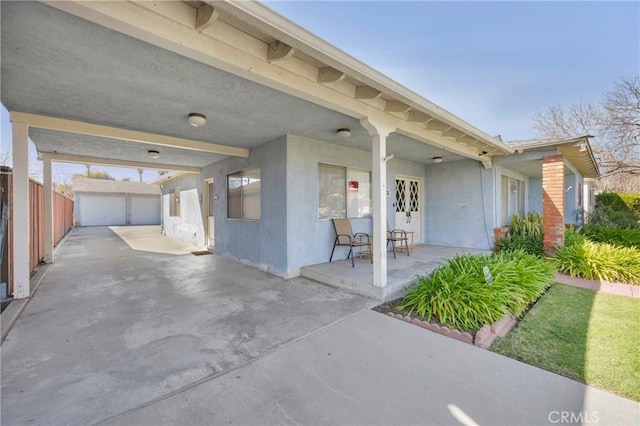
(80, 127)
(502, 171)
(68, 158)
(422, 206)
(294, 35)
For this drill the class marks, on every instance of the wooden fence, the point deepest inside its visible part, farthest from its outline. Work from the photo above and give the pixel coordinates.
(62, 223)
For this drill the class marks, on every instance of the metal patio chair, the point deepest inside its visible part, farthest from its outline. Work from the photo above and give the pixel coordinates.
(346, 237)
(393, 236)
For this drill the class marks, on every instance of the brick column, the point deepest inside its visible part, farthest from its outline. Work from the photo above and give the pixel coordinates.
(553, 201)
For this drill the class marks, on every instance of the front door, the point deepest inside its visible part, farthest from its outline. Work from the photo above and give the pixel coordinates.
(210, 213)
(408, 206)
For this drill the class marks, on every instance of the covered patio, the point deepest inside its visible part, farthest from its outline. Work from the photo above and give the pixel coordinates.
(402, 272)
(118, 83)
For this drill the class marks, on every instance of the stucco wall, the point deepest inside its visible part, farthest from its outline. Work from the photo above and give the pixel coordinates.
(535, 195)
(310, 239)
(261, 243)
(189, 226)
(460, 204)
(573, 212)
(289, 234)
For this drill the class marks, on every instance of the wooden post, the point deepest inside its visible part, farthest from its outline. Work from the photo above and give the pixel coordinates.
(379, 131)
(21, 286)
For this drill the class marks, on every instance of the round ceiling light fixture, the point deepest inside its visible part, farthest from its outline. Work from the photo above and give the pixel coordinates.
(153, 154)
(196, 119)
(437, 159)
(344, 133)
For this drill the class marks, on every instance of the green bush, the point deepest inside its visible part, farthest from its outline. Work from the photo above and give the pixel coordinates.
(632, 201)
(531, 224)
(525, 233)
(628, 202)
(572, 237)
(607, 216)
(619, 210)
(531, 244)
(458, 295)
(623, 237)
(599, 261)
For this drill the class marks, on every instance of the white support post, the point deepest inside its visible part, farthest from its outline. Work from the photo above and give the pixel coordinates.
(21, 286)
(48, 209)
(379, 132)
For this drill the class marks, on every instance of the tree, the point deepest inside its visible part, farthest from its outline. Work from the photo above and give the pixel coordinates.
(35, 167)
(615, 125)
(622, 126)
(64, 189)
(96, 174)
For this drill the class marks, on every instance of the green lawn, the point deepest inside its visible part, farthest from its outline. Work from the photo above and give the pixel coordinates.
(588, 336)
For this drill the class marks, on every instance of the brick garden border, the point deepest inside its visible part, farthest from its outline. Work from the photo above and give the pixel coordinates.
(483, 338)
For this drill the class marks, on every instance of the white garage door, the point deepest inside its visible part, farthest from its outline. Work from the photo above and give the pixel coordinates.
(100, 210)
(145, 210)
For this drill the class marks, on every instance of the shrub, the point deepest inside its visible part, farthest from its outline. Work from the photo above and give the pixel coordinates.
(632, 201)
(531, 244)
(623, 237)
(607, 216)
(620, 210)
(531, 224)
(458, 295)
(572, 237)
(599, 261)
(525, 233)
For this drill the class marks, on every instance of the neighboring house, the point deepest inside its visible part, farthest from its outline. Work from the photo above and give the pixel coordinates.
(273, 209)
(110, 202)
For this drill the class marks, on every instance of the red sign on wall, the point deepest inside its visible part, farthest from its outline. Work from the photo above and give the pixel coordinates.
(353, 185)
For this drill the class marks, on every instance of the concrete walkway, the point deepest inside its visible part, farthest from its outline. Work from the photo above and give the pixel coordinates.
(371, 369)
(119, 336)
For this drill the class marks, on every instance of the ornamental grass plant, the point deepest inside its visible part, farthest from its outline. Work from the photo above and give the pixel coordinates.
(459, 295)
(525, 233)
(599, 261)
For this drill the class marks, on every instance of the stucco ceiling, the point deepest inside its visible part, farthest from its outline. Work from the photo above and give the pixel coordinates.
(59, 65)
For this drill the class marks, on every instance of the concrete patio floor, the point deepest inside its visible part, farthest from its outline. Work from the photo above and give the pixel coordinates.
(119, 336)
(402, 271)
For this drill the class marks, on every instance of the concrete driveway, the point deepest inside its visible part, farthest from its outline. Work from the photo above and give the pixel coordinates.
(111, 328)
(118, 336)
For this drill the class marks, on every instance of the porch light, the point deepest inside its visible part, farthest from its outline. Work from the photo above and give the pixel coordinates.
(437, 159)
(344, 133)
(196, 119)
(153, 154)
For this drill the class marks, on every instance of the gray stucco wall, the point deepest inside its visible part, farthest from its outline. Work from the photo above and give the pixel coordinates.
(189, 226)
(535, 195)
(573, 212)
(290, 235)
(261, 243)
(310, 239)
(460, 204)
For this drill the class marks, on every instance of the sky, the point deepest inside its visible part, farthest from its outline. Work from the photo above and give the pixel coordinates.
(494, 64)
